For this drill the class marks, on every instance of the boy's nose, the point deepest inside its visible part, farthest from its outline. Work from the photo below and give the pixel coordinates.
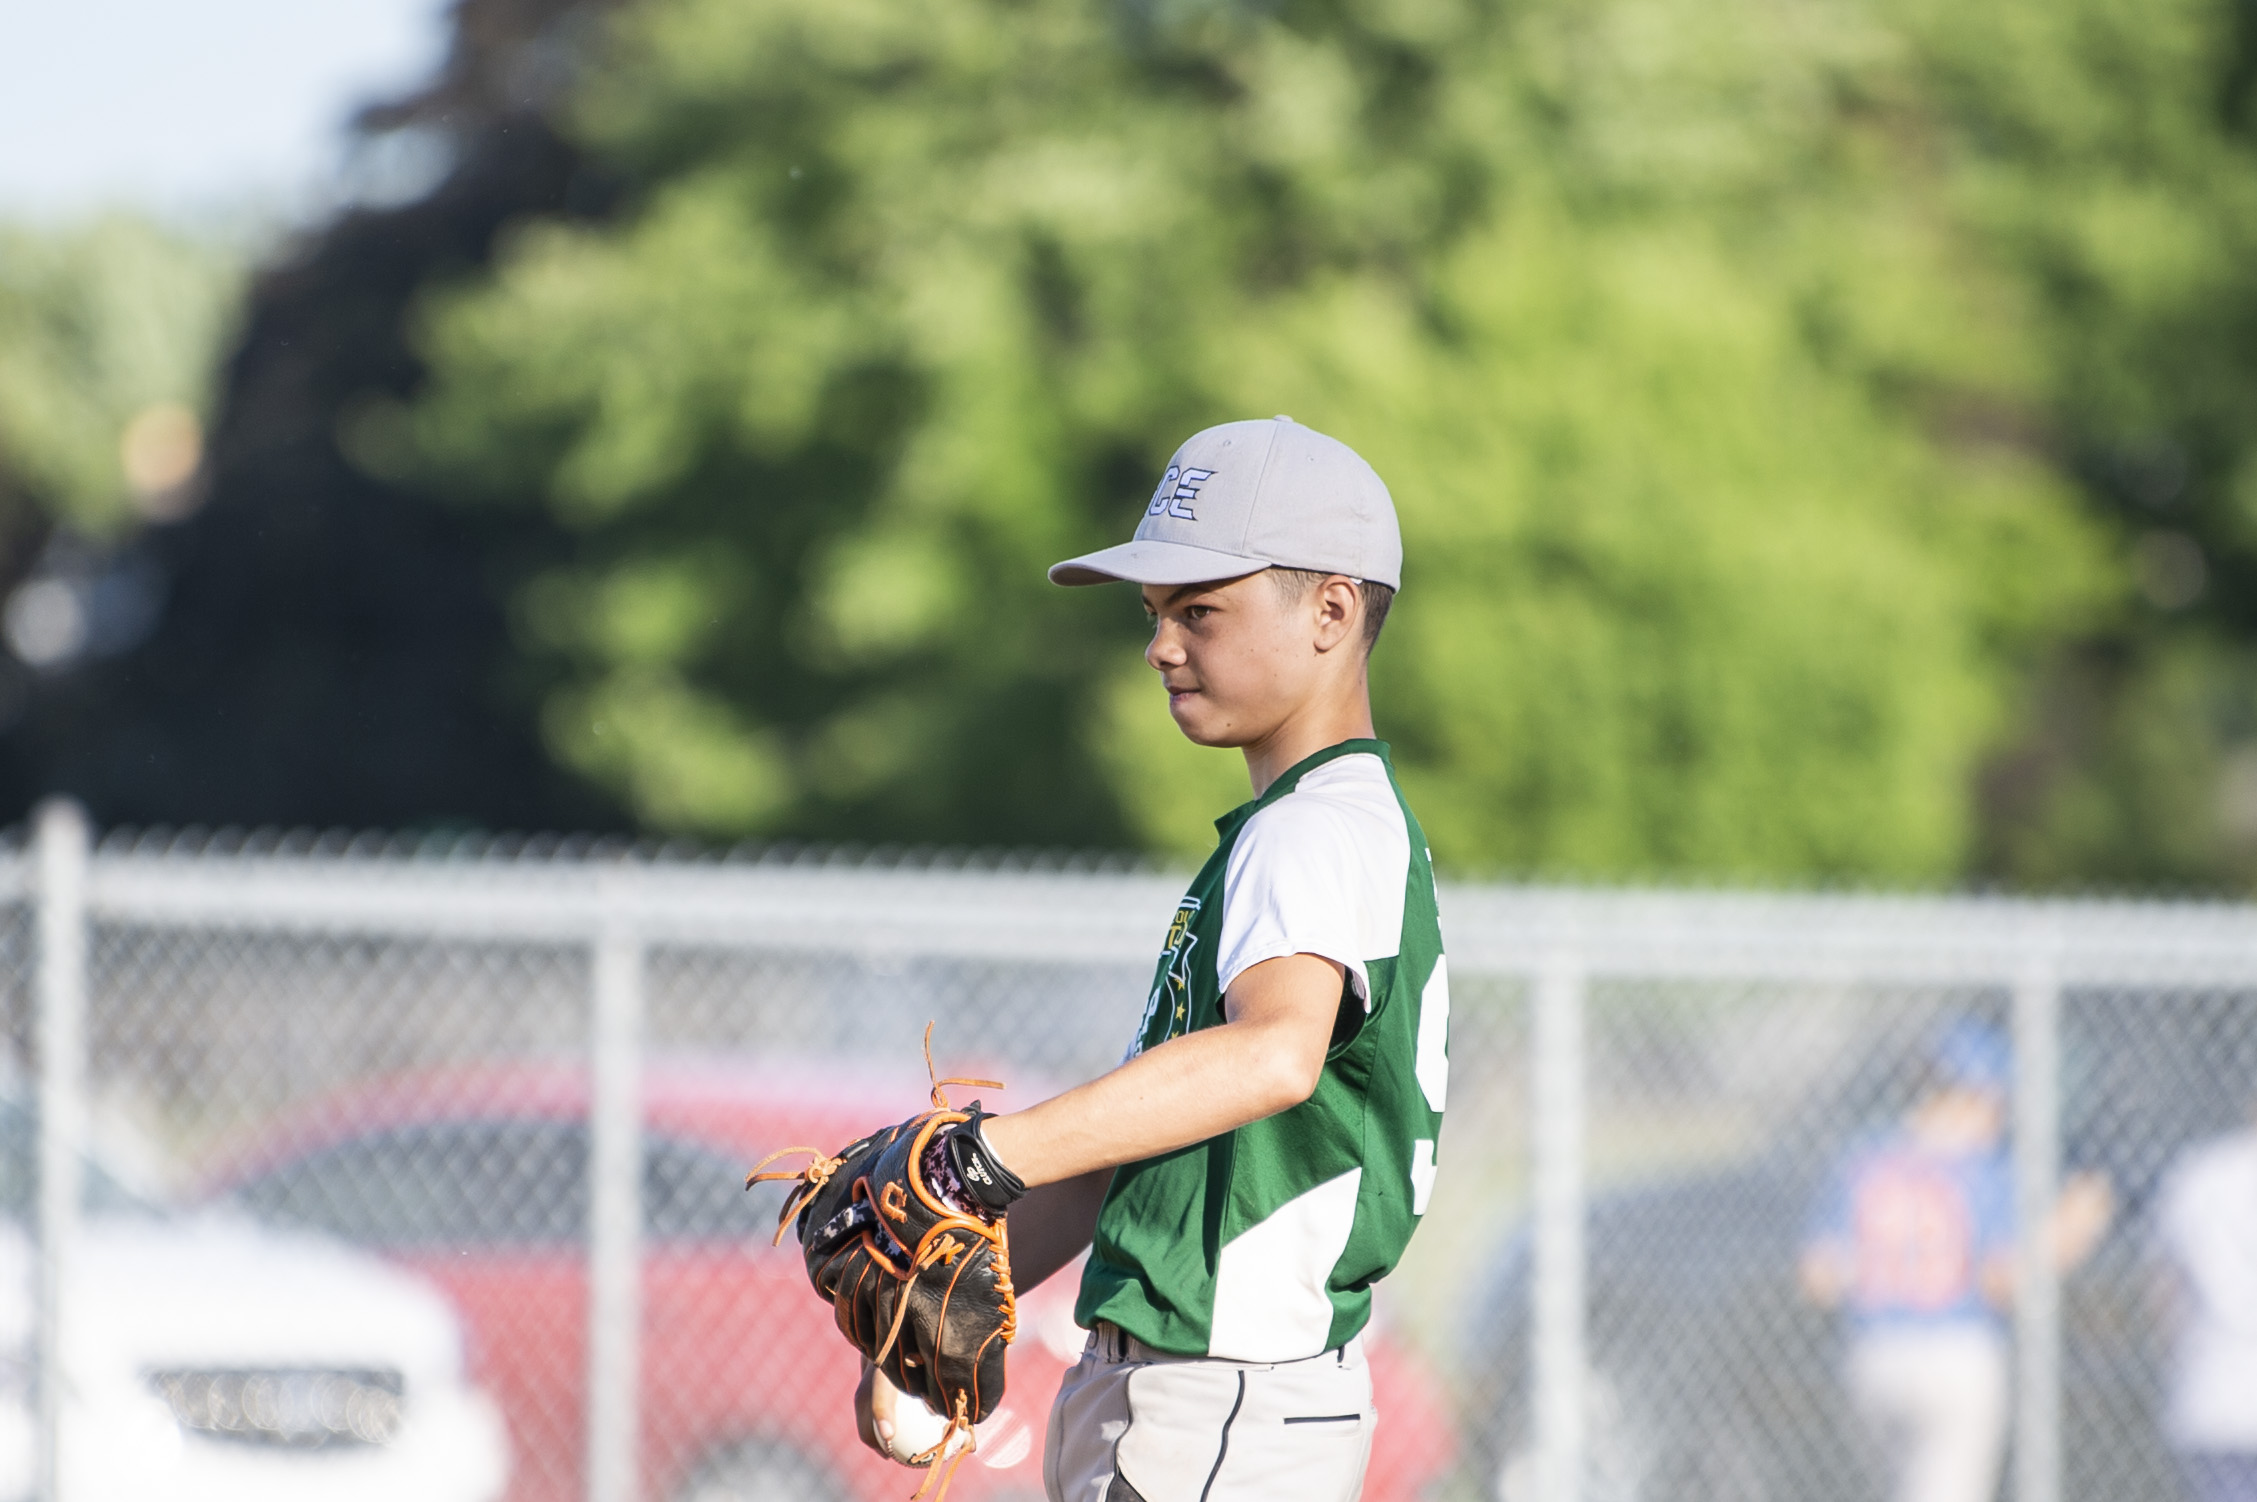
(1166, 650)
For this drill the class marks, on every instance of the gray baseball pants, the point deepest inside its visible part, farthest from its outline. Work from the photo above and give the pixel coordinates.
(1132, 1424)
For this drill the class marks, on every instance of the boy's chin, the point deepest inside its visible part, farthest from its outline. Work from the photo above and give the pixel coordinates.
(1197, 730)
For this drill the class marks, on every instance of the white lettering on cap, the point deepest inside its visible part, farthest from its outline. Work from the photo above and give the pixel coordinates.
(1177, 489)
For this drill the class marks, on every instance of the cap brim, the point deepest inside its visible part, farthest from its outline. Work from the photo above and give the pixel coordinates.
(1153, 562)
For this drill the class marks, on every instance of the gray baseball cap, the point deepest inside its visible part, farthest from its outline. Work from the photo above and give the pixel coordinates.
(1253, 495)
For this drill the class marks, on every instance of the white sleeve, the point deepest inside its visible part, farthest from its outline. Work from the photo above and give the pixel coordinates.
(2206, 1220)
(1309, 877)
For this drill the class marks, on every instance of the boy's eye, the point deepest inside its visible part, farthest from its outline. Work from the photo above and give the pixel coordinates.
(1198, 612)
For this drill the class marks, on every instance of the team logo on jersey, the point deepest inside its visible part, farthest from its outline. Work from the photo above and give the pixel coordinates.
(1184, 912)
(1177, 489)
(1171, 992)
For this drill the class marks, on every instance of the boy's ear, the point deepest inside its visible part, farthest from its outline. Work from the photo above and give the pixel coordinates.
(1336, 601)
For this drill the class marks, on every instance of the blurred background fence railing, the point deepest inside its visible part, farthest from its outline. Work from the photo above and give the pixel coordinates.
(383, 1169)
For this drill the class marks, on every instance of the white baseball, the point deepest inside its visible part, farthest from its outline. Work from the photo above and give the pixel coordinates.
(917, 1429)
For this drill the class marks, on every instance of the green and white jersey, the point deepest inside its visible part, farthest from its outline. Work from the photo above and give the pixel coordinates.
(1262, 1244)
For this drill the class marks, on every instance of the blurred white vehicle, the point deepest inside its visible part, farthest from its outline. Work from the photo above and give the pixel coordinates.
(212, 1358)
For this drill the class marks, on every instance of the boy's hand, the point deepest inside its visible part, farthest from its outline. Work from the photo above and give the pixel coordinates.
(2081, 1216)
(1826, 1273)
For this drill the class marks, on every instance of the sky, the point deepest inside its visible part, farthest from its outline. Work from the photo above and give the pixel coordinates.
(193, 108)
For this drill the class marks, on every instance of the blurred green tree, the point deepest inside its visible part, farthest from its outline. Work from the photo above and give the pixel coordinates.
(1717, 416)
(333, 650)
(111, 334)
(2107, 151)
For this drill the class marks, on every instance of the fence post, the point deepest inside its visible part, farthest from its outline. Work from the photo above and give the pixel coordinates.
(615, 1217)
(2037, 1282)
(60, 855)
(1556, 1289)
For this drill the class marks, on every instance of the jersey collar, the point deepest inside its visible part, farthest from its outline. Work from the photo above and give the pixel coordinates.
(1291, 777)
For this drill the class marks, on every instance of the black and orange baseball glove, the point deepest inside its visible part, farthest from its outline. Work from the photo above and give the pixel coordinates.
(904, 1235)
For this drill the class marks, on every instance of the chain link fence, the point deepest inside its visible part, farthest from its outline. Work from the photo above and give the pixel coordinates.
(343, 1171)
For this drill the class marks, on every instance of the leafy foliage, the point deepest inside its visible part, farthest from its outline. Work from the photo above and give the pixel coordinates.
(1706, 398)
(2104, 150)
(332, 649)
(100, 324)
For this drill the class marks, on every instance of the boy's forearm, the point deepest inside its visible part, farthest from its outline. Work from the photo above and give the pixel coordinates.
(1201, 1085)
(1185, 1091)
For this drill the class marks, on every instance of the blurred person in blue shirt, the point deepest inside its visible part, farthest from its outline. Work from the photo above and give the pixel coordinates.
(1914, 1241)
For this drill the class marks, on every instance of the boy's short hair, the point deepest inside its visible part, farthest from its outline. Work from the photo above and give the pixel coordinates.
(1293, 583)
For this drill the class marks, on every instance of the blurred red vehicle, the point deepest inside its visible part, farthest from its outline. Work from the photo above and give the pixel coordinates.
(477, 1178)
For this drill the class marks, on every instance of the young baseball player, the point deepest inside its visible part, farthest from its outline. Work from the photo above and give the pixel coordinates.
(1261, 1157)
(1914, 1242)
